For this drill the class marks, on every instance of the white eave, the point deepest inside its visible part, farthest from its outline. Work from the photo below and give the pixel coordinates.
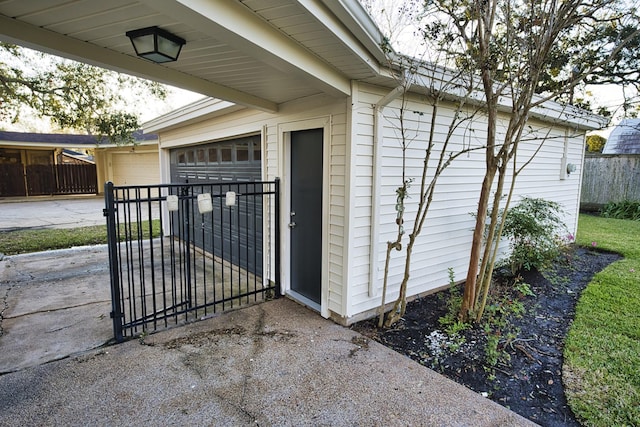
(203, 109)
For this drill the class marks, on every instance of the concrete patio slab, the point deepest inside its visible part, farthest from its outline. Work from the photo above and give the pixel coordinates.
(275, 363)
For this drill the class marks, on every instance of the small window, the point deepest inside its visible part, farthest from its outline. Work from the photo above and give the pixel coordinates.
(257, 152)
(242, 152)
(190, 156)
(201, 155)
(182, 158)
(225, 154)
(213, 155)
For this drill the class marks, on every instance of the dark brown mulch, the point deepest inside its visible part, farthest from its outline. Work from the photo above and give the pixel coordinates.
(528, 376)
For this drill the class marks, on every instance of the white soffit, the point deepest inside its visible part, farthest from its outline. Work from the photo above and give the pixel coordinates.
(257, 53)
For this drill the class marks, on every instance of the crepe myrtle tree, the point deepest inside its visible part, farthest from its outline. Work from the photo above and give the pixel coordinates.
(517, 53)
(449, 113)
(524, 53)
(73, 95)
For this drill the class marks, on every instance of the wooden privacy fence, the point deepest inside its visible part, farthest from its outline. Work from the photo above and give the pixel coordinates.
(36, 180)
(609, 178)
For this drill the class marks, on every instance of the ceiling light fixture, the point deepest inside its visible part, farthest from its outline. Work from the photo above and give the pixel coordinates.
(156, 44)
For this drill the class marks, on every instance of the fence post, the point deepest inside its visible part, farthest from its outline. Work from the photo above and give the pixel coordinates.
(112, 239)
(277, 236)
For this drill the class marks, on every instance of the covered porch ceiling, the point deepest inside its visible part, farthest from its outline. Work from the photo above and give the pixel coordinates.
(257, 53)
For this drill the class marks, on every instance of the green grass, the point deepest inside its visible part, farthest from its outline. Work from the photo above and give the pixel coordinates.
(602, 350)
(36, 240)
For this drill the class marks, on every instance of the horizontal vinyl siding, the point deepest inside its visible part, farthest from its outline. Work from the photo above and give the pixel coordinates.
(447, 233)
(248, 122)
(337, 214)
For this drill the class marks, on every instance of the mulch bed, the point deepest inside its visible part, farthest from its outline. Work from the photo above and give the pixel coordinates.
(528, 375)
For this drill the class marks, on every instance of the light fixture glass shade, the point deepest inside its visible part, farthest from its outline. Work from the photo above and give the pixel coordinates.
(156, 44)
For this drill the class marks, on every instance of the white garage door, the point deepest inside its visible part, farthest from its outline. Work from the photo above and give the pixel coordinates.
(135, 168)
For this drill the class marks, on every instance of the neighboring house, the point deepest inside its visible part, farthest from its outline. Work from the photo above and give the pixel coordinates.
(306, 93)
(624, 139)
(48, 164)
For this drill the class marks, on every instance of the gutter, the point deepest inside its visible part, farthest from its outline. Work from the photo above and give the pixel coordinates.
(377, 170)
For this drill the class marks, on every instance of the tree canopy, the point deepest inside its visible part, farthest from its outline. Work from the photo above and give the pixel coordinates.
(74, 95)
(585, 33)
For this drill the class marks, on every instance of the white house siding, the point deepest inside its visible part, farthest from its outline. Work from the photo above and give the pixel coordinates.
(447, 233)
(290, 115)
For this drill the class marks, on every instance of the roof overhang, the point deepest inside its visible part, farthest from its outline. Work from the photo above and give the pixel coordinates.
(255, 54)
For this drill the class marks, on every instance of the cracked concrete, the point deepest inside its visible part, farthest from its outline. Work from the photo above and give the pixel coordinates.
(51, 311)
(275, 363)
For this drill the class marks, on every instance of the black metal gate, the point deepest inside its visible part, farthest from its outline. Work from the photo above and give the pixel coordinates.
(176, 257)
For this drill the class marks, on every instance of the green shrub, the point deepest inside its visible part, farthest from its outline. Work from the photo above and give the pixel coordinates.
(595, 143)
(627, 209)
(536, 233)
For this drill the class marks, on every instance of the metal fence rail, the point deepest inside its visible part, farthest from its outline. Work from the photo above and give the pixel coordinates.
(174, 258)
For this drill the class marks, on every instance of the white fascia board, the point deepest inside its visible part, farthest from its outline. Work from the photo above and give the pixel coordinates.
(555, 112)
(256, 37)
(203, 109)
(27, 145)
(23, 34)
(360, 23)
(349, 31)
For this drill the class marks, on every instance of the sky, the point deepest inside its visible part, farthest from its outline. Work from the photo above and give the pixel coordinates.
(386, 13)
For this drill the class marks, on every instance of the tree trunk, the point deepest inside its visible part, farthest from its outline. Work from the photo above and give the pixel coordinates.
(469, 295)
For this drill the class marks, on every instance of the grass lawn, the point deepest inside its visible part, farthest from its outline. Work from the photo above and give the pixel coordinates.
(602, 350)
(36, 240)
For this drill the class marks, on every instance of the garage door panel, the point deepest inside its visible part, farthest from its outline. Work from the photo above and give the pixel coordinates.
(135, 168)
(229, 233)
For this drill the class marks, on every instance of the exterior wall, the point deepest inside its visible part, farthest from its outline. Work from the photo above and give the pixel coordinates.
(447, 233)
(128, 165)
(319, 111)
(350, 291)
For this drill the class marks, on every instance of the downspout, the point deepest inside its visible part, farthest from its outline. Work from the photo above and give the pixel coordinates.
(377, 170)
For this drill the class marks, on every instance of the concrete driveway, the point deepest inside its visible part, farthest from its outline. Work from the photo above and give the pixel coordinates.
(51, 212)
(275, 363)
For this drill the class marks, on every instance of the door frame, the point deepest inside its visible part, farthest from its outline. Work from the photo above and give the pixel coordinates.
(284, 148)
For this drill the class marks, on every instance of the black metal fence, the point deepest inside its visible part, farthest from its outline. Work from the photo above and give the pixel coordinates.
(176, 256)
